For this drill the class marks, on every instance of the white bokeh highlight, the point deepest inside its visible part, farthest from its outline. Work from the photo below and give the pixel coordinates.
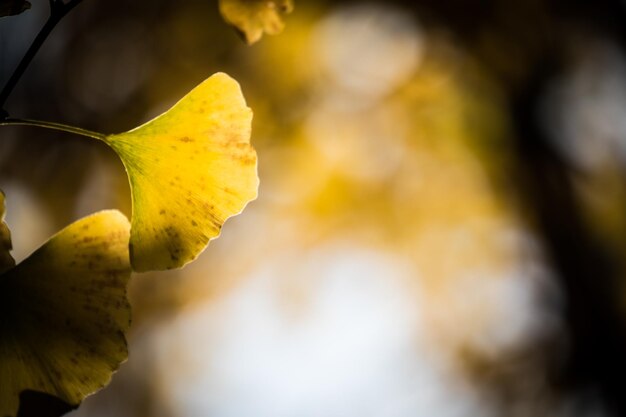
(350, 346)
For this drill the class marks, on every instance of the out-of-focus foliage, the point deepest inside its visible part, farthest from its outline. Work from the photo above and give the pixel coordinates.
(584, 112)
(13, 7)
(393, 254)
(65, 313)
(391, 249)
(408, 155)
(190, 169)
(252, 18)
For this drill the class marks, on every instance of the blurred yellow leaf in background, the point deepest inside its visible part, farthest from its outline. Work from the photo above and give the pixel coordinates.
(253, 17)
(190, 169)
(64, 313)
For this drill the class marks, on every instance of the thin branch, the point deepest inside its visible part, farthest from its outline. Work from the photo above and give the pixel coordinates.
(58, 10)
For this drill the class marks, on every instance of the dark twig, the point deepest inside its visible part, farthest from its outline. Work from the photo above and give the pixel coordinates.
(58, 10)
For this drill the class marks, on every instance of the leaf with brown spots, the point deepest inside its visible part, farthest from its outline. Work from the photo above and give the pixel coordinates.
(253, 17)
(6, 260)
(13, 7)
(64, 312)
(189, 169)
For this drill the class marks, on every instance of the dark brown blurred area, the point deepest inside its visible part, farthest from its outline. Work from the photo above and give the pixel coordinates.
(544, 39)
(529, 94)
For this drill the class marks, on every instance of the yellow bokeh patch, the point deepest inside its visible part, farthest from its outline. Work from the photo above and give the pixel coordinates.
(254, 17)
(64, 313)
(189, 169)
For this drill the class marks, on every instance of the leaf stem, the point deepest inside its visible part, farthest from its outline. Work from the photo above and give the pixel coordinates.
(58, 10)
(53, 126)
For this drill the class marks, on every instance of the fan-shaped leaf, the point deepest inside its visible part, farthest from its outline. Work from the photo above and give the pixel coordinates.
(189, 169)
(63, 313)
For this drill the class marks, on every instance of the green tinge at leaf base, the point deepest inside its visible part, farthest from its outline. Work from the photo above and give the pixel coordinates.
(64, 313)
(189, 170)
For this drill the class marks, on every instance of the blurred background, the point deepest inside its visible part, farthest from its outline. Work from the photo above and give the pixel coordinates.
(441, 222)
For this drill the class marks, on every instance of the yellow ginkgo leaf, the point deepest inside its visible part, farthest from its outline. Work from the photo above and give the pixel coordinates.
(189, 169)
(6, 260)
(253, 17)
(64, 312)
